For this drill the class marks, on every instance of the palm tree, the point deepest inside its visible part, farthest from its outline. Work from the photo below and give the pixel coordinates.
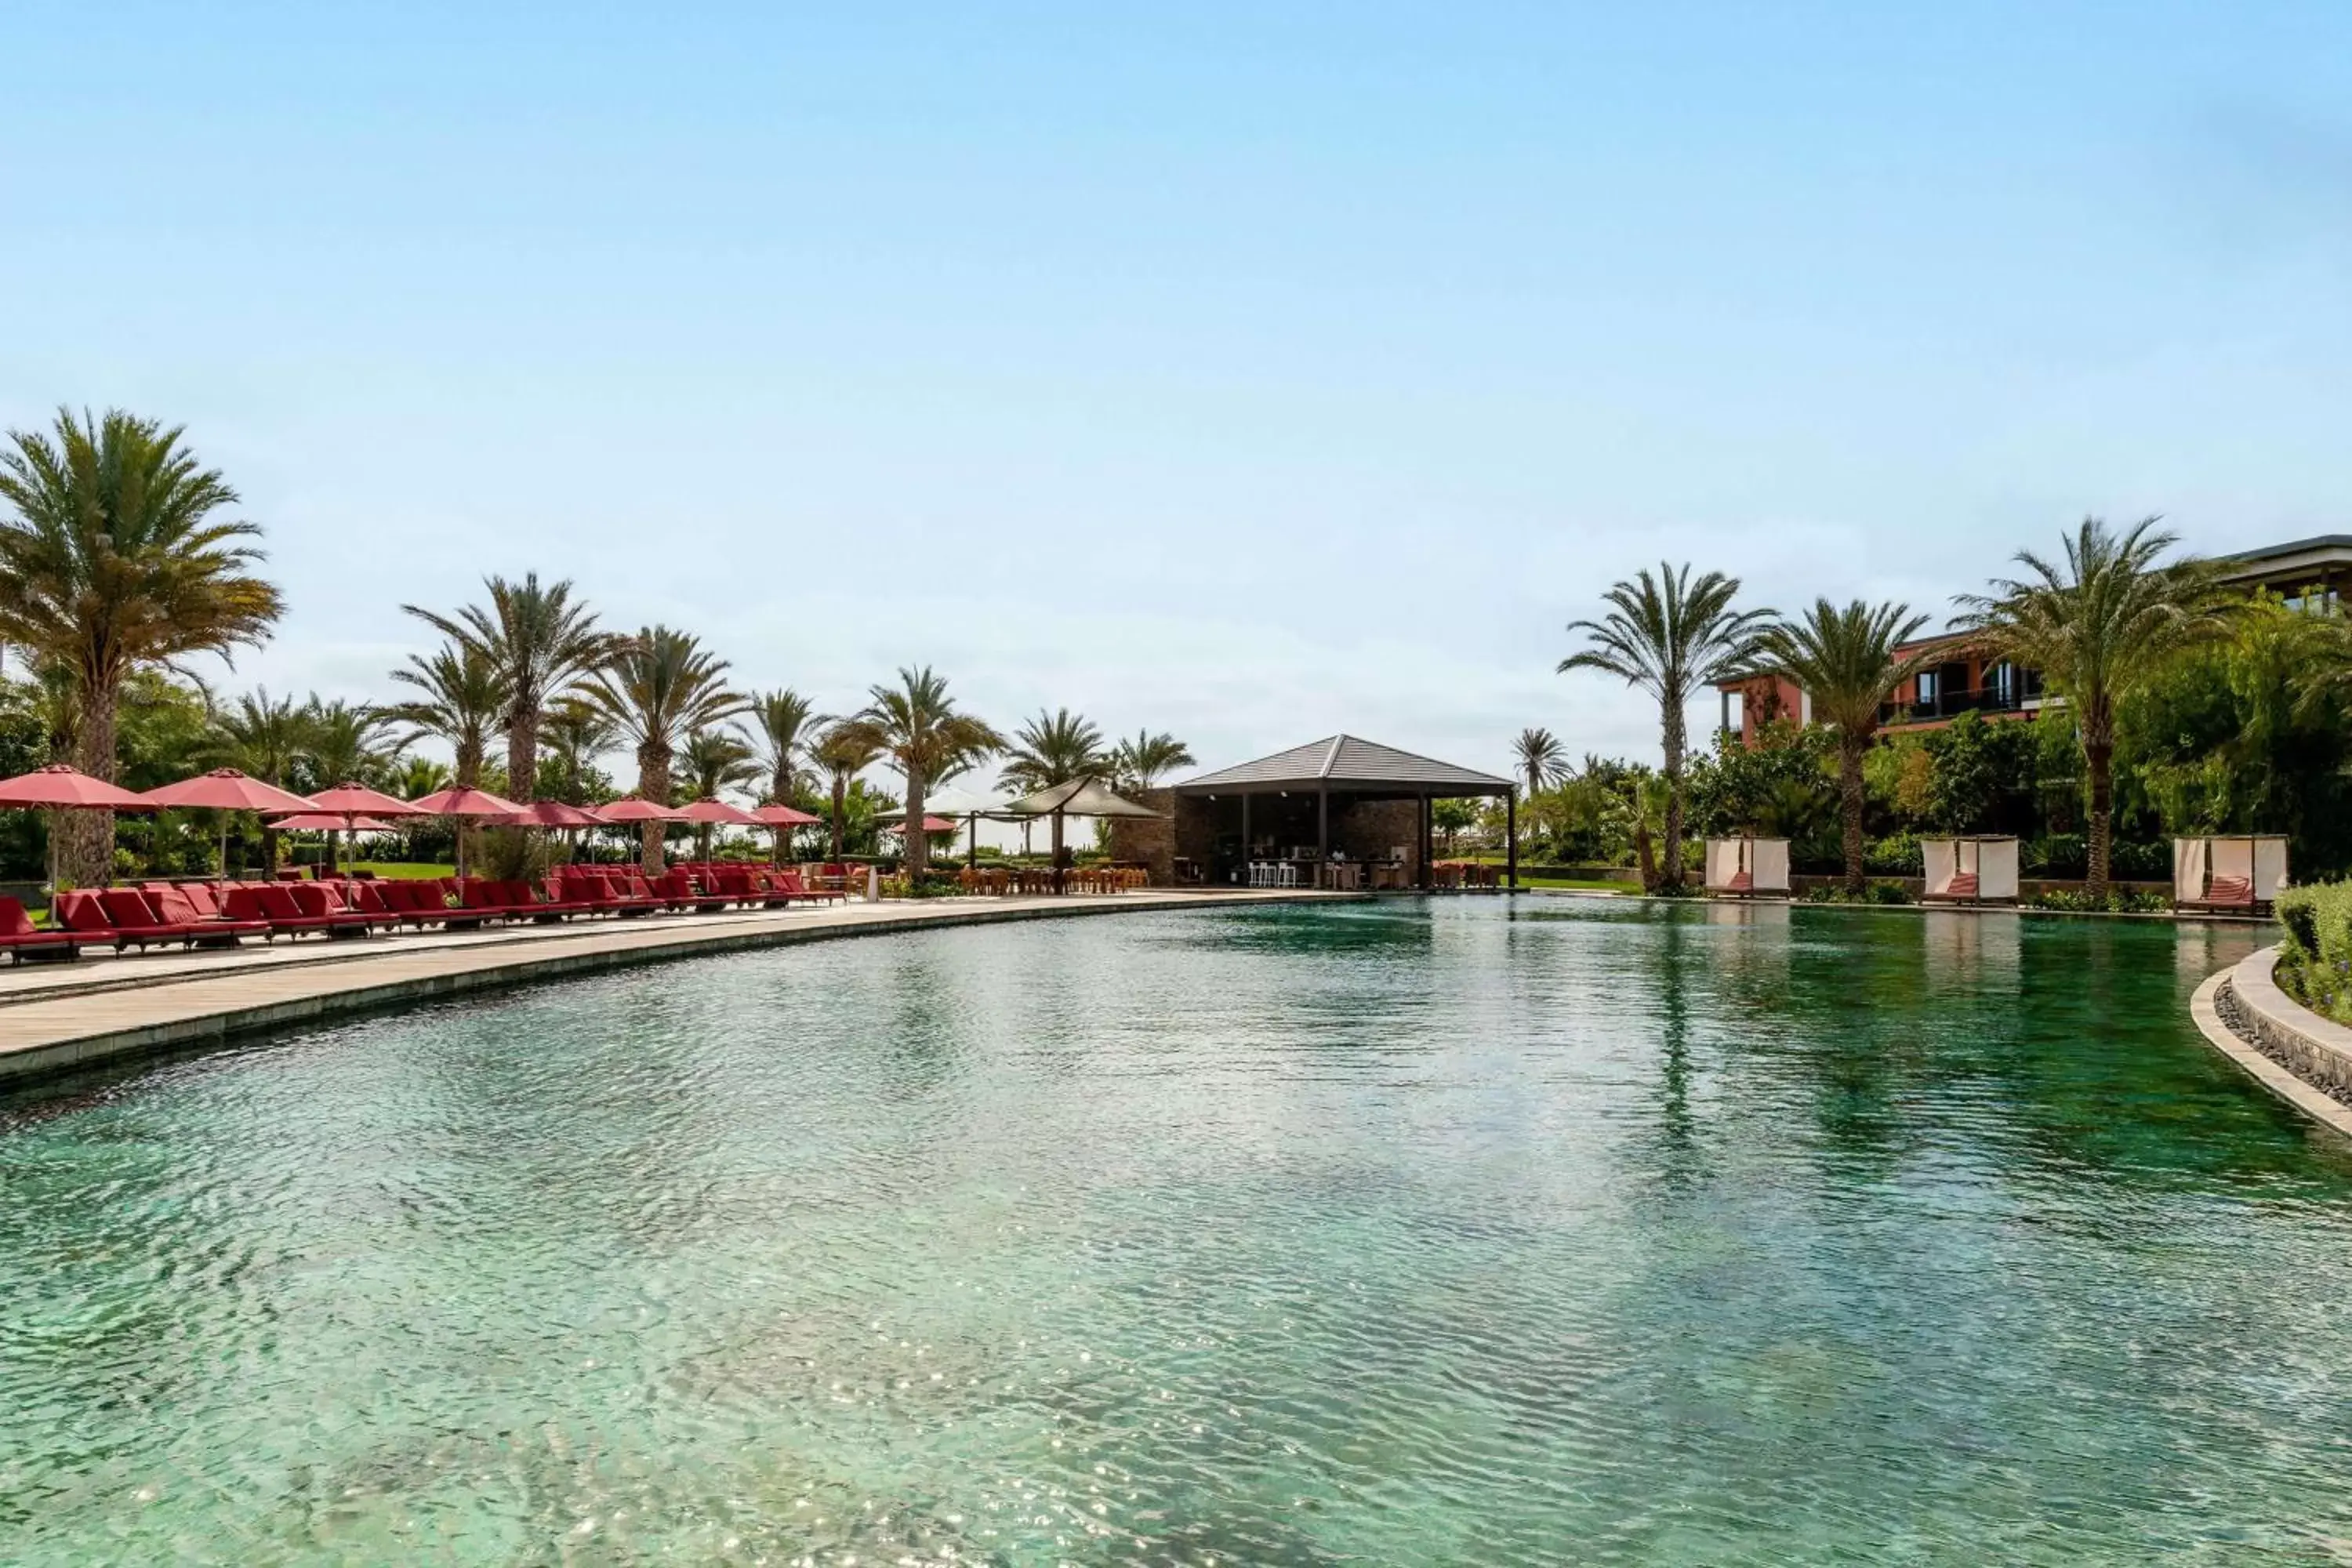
(2097, 626)
(465, 705)
(1140, 762)
(1542, 760)
(1670, 636)
(1056, 749)
(787, 725)
(715, 761)
(542, 643)
(1846, 662)
(846, 750)
(661, 687)
(339, 744)
(915, 724)
(265, 738)
(578, 732)
(116, 557)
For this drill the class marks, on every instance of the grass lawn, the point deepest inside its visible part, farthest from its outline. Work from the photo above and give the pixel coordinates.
(1579, 884)
(390, 869)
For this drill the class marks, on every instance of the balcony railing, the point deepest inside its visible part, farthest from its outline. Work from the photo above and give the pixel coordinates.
(1952, 704)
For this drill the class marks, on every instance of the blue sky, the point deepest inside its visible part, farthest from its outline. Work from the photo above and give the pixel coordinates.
(1247, 374)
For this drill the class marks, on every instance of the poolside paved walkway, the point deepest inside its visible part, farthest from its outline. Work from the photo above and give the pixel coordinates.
(58, 1017)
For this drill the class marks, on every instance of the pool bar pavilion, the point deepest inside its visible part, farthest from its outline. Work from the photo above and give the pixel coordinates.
(1340, 813)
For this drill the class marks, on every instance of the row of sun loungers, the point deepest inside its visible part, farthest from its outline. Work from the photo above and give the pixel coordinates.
(203, 914)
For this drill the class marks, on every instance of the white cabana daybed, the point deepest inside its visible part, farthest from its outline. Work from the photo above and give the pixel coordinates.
(1972, 870)
(1747, 867)
(2235, 872)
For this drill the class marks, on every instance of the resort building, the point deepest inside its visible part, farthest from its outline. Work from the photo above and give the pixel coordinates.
(1338, 812)
(1964, 681)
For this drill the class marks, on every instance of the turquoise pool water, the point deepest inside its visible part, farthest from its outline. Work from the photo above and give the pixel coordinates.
(1395, 1233)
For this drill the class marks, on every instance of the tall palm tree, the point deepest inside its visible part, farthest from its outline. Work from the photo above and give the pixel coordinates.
(578, 732)
(1542, 760)
(661, 687)
(542, 642)
(1670, 636)
(844, 750)
(117, 556)
(1142, 761)
(263, 737)
(341, 743)
(464, 704)
(1053, 749)
(1845, 661)
(918, 727)
(715, 761)
(2096, 625)
(787, 725)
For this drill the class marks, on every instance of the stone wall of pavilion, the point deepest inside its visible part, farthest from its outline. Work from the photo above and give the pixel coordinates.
(1152, 842)
(1368, 829)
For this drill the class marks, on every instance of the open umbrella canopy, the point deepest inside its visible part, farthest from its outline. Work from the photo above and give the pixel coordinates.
(226, 789)
(709, 808)
(552, 814)
(931, 824)
(357, 797)
(629, 808)
(783, 817)
(1083, 797)
(464, 803)
(331, 822)
(59, 785)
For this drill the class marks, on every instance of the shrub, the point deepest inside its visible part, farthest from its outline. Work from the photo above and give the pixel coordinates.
(2315, 959)
(2117, 901)
(1896, 855)
(1871, 893)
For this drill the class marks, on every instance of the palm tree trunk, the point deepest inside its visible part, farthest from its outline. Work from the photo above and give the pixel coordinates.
(653, 784)
(88, 861)
(840, 812)
(1057, 852)
(522, 756)
(918, 846)
(2099, 757)
(1645, 855)
(1670, 874)
(1851, 798)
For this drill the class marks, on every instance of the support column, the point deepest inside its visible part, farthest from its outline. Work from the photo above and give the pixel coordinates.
(1427, 879)
(1511, 839)
(1322, 832)
(1245, 839)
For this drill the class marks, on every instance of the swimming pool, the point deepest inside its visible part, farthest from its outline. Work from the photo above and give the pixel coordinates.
(1465, 1230)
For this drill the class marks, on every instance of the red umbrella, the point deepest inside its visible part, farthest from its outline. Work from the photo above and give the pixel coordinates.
(629, 808)
(709, 808)
(61, 786)
(552, 814)
(351, 799)
(783, 817)
(226, 789)
(463, 803)
(931, 824)
(332, 822)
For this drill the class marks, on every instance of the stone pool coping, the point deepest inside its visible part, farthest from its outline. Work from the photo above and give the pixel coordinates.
(59, 1019)
(2316, 1051)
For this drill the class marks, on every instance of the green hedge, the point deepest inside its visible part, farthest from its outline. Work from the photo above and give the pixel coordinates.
(2315, 959)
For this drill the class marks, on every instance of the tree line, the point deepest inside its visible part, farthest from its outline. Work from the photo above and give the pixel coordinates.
(120, 562)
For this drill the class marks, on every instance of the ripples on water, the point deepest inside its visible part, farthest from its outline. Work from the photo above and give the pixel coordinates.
(1389, 1233)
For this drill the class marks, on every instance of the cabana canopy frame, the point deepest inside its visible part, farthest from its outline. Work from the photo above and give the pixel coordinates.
(1970, 869)
(1747, 867)
(1350, 766)
(2229, 870)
